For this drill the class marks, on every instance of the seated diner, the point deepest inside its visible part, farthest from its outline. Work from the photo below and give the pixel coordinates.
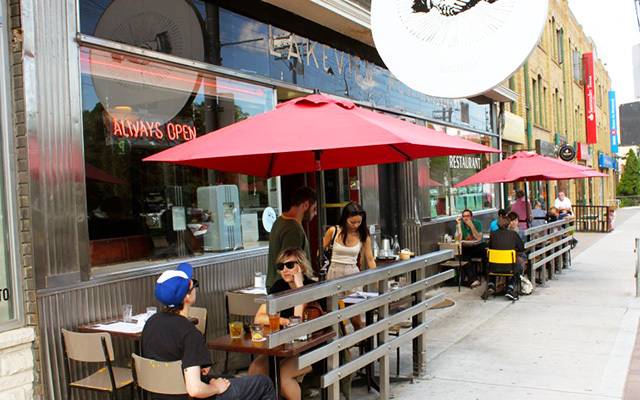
(295, 271)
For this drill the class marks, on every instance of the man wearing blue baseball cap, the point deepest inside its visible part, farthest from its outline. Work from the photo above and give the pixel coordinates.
(170, 336)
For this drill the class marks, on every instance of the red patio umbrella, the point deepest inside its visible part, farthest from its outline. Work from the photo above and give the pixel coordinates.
(314, 133)
(525, 166)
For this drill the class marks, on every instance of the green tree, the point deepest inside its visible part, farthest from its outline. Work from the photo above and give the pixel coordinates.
(629, 184)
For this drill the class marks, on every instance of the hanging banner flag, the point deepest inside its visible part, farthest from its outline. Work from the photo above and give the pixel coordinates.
(590, 98)
(613, 122)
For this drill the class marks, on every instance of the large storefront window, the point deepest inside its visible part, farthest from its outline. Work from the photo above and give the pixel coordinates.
(201, 31)
(7, 294)
(437, 177)
(133, 108)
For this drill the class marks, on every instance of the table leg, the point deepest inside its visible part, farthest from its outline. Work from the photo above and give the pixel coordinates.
(274, 374)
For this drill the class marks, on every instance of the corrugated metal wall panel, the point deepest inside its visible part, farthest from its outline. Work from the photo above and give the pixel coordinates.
(94, 302)
(56, 160)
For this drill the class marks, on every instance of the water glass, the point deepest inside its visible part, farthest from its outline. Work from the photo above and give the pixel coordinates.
(293, 321)
(127, 313)
(274, 322)
(235, 329)
(151, 310)
(257, 280)
(257, 334)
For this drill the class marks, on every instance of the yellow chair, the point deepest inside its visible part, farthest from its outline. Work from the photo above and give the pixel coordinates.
(161, 377)
(94, 348)
(457, 261)
(501, 263)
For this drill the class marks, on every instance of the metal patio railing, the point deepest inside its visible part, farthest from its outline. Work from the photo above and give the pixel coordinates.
(548, 248)
(592, 218)
(376, 333)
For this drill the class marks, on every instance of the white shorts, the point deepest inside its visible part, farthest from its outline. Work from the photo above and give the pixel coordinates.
(338, 270)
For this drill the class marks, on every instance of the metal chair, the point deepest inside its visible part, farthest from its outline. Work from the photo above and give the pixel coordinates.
(241, 304)
(457, 261)
(501, 263)
(161, 377)
(94, 348)
(201, 314)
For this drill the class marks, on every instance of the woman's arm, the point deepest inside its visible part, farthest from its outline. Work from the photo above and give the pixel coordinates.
(368, 253)
(328, 236)
(261, 317)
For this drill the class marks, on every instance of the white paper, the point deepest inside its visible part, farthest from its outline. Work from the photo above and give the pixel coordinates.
(122, 327)
(254, 291)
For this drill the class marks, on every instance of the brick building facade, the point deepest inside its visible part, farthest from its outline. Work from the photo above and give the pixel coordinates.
(552, 103)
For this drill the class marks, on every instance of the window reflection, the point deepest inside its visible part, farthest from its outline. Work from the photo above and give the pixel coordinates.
(133, 108)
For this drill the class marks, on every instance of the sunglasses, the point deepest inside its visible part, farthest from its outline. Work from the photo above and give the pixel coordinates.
(288, 264)
(195, 285)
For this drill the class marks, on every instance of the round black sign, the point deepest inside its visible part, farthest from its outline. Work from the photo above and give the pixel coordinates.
(567, 153)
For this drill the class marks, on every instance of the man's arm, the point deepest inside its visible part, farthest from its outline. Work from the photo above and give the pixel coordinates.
(200, 390)
(474, 231)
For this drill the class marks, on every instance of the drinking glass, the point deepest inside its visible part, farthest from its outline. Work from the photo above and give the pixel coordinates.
(127, 312)
(274, 322)
(257, 334)
(151, 310)
(293, 321)
(235, 329)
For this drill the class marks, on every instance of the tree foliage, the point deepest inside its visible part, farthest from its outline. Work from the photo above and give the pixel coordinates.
(629, 184)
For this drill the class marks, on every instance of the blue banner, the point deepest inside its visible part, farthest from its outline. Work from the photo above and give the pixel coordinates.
(604, 161)
(613, 122)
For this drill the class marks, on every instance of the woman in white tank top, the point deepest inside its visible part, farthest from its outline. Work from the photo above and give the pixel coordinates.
(352, 237)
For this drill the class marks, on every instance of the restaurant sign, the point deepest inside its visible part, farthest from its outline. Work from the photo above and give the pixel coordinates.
(465, 162)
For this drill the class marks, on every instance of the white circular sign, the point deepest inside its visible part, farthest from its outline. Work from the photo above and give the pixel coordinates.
(166, 26)
(268, 218)
(456, 48)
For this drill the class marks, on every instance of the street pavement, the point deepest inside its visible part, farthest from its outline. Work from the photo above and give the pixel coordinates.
(571, 339)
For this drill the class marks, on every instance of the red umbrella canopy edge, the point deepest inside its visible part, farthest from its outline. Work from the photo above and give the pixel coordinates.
(286, 140)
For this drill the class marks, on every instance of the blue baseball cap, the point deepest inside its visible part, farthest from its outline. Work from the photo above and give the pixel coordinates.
(172, 286)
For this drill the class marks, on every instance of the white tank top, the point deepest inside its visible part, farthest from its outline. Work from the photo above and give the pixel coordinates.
(344, 254)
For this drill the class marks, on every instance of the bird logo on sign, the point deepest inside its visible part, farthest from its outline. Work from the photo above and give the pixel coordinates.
(447, 8)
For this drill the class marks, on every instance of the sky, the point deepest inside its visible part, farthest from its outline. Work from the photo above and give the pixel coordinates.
(613, 26)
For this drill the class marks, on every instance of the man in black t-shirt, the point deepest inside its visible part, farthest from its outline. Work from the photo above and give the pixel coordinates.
(170, 336)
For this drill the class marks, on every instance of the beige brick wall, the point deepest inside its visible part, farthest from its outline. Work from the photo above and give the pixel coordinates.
(17, 364)
(561, 103)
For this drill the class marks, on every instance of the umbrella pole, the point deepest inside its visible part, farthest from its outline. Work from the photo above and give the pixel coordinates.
(319, 193)
(526, 207)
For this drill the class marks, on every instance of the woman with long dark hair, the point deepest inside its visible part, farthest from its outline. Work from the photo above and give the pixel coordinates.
(351, 238)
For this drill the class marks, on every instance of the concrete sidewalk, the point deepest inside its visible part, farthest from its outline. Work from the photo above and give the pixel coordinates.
(571, 339)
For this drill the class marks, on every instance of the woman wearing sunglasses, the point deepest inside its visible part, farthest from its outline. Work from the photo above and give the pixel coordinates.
(294, 270)
(352, 238)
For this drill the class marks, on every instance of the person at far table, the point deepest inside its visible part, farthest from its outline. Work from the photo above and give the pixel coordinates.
(506, 239)
(538, 215)
(469, 229)
(563, 204)
(170, 336)
(294, 270)
(351, 239)
(494, 224)
(287, 231)
(522, 208)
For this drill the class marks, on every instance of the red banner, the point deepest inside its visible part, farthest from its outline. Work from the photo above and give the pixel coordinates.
(590, 98)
